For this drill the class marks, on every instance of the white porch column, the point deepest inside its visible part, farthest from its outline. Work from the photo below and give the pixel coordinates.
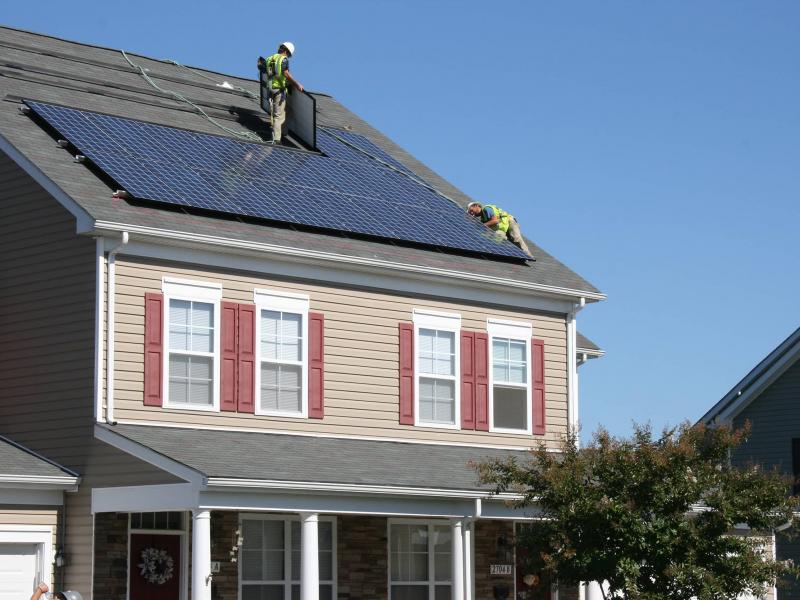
(593, 591)
(309, 556)
(469, 560)
(457, 555)
(201, 555)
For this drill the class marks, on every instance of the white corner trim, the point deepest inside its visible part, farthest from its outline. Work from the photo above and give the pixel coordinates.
(104, 434)
(83, 219)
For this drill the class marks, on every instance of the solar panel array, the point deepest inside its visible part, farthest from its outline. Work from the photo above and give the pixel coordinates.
(344, 189)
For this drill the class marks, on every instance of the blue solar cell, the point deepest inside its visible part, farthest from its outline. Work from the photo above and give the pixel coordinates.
(345, 190)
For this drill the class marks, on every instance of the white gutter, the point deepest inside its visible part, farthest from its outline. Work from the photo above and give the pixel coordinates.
(50, 481)
(348, 488)
(300, 253)
(112, 255)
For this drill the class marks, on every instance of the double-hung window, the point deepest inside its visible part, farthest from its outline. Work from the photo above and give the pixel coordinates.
(437, 368)
(191, 362)
(282, 353)
(271, 555)
(510, 376)
(420, 564)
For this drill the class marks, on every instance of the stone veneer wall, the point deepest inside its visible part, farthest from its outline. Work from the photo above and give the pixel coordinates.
(487, 534)
(111, 556)
(362, 548)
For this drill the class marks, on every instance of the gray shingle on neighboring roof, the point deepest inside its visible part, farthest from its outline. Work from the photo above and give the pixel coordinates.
(296, 458)
(16, 460)
(584, 343)
(52, 70)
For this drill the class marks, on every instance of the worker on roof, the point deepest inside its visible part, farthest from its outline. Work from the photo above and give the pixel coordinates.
(498, 220)
(277, 69)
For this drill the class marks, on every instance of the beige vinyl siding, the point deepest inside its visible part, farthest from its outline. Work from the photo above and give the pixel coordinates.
(361, 356)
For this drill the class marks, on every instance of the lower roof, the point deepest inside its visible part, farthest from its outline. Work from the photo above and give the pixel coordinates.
(304, 459)
(20, 463)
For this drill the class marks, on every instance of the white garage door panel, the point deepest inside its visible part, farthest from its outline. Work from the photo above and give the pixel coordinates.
(18, 574)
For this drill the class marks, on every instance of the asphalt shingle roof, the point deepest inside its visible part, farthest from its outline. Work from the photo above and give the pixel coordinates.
(585, 343)
(48, 69)
(16, 460)
(279, 457)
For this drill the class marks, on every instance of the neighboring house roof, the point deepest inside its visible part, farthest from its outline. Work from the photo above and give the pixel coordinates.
(19, 465)
(756, 381)
(325, 460)
(44, 68)
(586, 346)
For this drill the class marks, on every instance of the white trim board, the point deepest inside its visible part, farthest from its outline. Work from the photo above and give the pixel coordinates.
(338, 269)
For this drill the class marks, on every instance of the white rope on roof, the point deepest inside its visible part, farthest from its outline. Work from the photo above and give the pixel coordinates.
(246, 135)
(238, 88)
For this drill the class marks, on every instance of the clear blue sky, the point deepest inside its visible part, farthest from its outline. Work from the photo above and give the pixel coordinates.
(654, 147)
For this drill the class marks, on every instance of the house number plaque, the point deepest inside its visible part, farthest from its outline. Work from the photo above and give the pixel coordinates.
(499, 569)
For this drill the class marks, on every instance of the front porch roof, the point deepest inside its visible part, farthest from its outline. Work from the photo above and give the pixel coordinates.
(227, 456)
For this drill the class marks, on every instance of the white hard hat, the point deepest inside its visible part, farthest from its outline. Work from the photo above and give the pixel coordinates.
(289, 46)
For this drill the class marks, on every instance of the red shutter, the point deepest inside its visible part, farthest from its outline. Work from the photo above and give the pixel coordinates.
(316, 363)
(246, 351)
(153, 349)
(467, 380)
(406, 374)
(482, 382)
(229, 330)
(537, 393)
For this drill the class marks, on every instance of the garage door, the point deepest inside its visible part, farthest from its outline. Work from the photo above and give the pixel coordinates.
(18, 570)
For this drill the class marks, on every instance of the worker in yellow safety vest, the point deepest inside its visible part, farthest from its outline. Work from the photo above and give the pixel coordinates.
(498, 220)
(277, 69)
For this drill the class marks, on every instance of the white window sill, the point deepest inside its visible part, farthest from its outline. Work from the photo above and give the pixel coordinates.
(200, 407)
(288, 415)
(452, 426)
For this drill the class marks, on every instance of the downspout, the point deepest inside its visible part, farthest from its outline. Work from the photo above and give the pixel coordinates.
(100, 268)
(112, 263)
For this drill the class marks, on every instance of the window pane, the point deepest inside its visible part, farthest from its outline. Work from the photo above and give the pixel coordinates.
(202, 340)
(281, 388)
(445, 402)
(500, 349)
(269, 334)
(510, 408)
(442, 592)
(445, 352)
(262, 592)
(252, 564)
(325, 592)
(409, 592)
(517, 351)
(442, 547)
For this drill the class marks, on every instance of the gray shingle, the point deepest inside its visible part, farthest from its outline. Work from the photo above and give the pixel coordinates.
(48, 69)
(277, 457)
(16, 460)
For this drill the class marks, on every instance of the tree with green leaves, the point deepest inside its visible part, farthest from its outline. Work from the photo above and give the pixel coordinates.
(654, 518)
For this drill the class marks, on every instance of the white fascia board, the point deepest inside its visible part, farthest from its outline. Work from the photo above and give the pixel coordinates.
(53, 482)
(346, 488)
(145, 498)
(148, 455)
(32, 496)
(590, 352)
(211, 250)
(84, 221)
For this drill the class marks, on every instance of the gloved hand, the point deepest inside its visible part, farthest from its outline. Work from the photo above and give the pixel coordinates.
(262, 64)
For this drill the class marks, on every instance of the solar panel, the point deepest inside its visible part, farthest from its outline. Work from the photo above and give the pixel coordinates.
(343, 190)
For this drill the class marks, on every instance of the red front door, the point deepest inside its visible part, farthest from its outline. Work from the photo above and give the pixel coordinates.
(154, 566)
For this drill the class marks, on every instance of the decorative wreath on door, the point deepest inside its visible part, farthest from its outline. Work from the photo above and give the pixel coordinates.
(157, 566)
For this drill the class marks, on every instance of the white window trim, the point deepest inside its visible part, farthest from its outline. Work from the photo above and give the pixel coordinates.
(431, 584)
(287, 550)
(429, 319)
(518, 331)
(193, 291)
(277, 300)
(42, 537)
